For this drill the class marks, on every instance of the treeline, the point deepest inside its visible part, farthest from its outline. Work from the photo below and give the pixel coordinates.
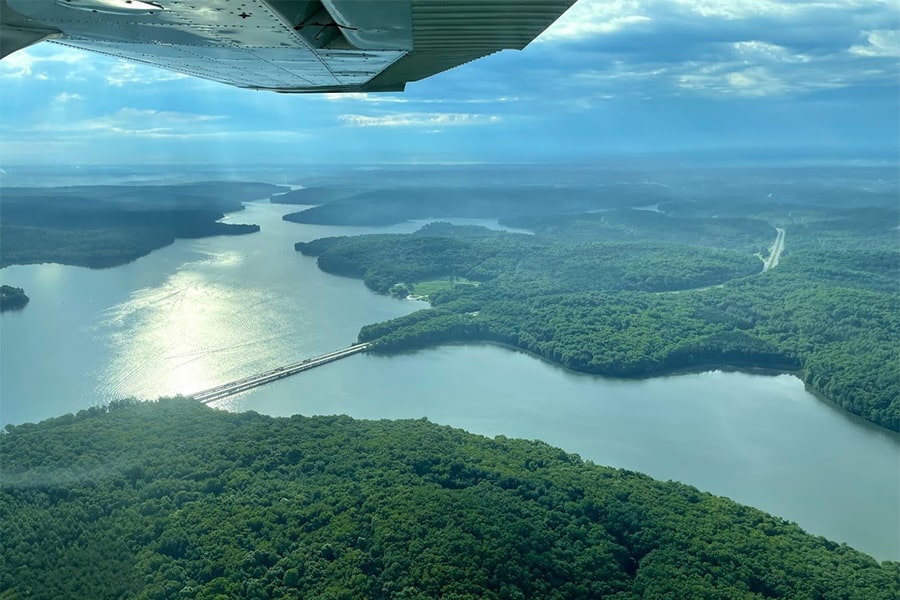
(102, 248)
(12, 298)
(827, 312)
(175, 500)
(628, 225)
(106, 226)
(618, 334)
(395, 204)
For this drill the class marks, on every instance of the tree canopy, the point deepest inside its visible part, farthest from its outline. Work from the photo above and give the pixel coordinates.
(176, 500)
(12, 298)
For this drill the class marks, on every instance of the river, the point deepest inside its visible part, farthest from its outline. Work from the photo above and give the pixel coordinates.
(202, 312)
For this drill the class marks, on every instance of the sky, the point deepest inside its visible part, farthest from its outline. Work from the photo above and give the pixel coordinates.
(610, 78)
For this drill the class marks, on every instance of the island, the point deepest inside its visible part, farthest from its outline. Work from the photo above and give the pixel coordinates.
(12, 298)
(105, 226)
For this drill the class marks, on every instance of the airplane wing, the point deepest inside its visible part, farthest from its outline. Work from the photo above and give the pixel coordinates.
(292, 46)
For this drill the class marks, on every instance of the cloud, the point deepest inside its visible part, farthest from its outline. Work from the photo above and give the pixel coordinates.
(64, 97)
(143, 126)
(575, 28)
(719, 48)
(49, 60)
(134, 122)
(743, 9)
(17, 65)
(749, 82)
(591, 17)
(880, 43)
(756, 51)
(125, 73)
(429, 120)
(383, 98)
(36, 61)
(755, 68)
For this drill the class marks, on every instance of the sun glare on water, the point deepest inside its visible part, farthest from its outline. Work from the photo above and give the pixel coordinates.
(188, 334)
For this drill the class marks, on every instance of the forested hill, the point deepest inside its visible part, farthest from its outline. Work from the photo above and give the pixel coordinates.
(176, 500)
(105, 226)
(397, 204)
(634, 293)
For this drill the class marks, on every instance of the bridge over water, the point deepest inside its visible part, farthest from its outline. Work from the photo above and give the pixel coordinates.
(247, 383)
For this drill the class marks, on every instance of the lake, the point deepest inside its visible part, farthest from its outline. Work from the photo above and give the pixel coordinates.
(202, 312)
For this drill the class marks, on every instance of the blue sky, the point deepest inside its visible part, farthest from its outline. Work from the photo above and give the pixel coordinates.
(610, 78)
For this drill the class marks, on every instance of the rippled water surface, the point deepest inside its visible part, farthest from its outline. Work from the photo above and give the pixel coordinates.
(202, 312)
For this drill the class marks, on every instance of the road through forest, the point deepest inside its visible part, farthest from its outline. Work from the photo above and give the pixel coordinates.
(775, 252)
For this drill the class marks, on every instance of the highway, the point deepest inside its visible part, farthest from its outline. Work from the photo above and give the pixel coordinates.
(247, 383)
(775, 251)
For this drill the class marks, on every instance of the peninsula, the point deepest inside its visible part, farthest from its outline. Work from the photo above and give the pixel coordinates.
(105, 226)
(634, 292)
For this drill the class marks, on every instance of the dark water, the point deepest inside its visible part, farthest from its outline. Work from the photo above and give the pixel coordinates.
(202, 312)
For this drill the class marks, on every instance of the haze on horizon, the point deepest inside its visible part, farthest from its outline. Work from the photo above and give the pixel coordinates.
(813, 78)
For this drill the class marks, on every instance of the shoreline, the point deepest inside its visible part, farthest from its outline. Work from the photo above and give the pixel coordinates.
(690, 370)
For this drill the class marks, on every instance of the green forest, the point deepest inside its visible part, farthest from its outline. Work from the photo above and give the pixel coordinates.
(172, 499)
(105, 226)
(634, 293)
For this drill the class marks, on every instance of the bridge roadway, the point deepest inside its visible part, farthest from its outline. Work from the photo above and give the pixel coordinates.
(242, 385)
